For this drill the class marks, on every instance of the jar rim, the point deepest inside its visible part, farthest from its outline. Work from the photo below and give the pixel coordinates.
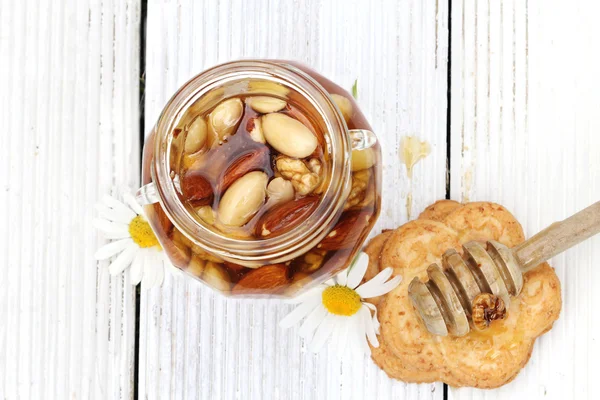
(302, 237)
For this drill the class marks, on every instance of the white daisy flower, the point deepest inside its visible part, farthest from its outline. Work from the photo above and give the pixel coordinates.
(133, 242)
(337, 308)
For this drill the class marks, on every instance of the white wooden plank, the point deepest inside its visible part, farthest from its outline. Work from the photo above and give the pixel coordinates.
(69, 111)
(194, 344)
(524, 133)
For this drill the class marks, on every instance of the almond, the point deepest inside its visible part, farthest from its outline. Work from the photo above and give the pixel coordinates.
(265, 279)
(363, 159)
(346, 233)
(195, 161)
(268, 87)
(279, 191)
(286, 216)
(298, 114)
(178, 250)
(255, 160)
(215, 276)
(266, 104)
(196, 266)
(196, 137)
(288, 135)
(224, 119)
(344, 105)
(236, 271)
(206, 214)
(196, 188)
(243, 199)
(254, 128)
(155, 211)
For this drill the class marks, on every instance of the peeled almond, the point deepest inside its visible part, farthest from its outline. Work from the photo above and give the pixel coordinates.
(362, 159)
(216, 276)
(207, 214)
(288, 136)
(254, 127)
(196, 137)
(223, 120)
(280, 190)
(268, 87)
(243, 199)
(266, 104)
(196, 266)
(344, 105)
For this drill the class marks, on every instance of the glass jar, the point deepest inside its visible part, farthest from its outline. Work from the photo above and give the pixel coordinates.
(217, 146)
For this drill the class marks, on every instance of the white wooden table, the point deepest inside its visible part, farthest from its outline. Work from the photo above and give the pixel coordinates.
(523, 129)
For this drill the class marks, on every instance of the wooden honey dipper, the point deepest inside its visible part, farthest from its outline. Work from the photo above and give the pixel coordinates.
(446, 301)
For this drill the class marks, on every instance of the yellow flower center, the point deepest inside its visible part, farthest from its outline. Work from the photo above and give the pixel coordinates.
(141, 232)
(341, 300)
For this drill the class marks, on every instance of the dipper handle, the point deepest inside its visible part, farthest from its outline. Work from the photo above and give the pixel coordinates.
(558, 237)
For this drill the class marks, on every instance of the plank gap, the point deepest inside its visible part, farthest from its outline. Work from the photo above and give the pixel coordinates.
(448, 117)
(141, 108)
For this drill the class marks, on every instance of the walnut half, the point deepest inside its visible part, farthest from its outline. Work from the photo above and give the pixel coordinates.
(487, 308)
(296, 171)
(360, 182)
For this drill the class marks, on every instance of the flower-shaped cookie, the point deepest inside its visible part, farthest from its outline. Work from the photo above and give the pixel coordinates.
(483, 359)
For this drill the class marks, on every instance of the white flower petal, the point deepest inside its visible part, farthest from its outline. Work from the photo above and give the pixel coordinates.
(341, 278)
(312, 322)
(314, 292)
(149, 274)
(110, 227)
(110, 215)
(160, 271)
(323, 332)
(360, 333)
(369, 327)
(335, 334)
(367, 291)
(354, 347)
(118, 207)
(136, 272)
(341, 335)
(299, 312)
(375, 320)
(357, 270)
(116, 236)
(123, 260)
(378, 279)
(132, 203)
(112, 248)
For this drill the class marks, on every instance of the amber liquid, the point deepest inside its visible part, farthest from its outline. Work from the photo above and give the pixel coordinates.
(215, 164)
(327, 258)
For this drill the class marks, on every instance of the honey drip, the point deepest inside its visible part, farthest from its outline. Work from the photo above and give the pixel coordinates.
(412, 150)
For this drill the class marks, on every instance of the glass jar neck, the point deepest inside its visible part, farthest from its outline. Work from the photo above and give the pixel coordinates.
(250, 77)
